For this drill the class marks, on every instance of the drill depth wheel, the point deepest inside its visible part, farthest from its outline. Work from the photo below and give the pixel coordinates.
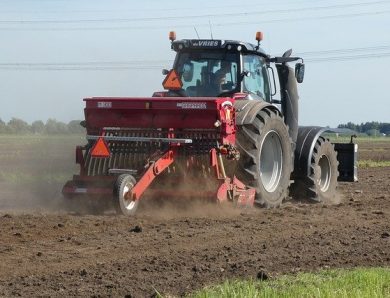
(122, 195)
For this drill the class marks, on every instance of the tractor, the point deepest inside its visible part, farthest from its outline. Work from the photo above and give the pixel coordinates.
(225, 128)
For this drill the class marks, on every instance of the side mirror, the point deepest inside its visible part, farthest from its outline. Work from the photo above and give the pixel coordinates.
(165, 72)
(299, 72)
(245, 73)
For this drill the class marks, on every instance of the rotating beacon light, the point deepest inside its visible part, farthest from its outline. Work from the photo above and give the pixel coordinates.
(172, 36)
(259, 38)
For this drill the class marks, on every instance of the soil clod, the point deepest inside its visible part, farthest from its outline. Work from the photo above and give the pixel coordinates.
(262, 275)
(136, 229)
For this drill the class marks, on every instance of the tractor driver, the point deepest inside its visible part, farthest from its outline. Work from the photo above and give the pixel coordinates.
(221, 76)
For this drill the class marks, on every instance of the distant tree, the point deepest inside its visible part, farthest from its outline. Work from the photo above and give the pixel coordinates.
(75, 127)
(3, 127)
(16, 125)
(368, 127)
(38, 127)
(385, 128)
(349, 125)
(373, 132)
(53, 126)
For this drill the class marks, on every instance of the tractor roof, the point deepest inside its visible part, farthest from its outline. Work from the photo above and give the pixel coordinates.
(215, 44)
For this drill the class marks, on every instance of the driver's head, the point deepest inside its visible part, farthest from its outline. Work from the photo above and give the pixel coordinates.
(225, 66)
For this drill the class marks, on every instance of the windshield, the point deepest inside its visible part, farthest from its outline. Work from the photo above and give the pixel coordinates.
(207, 73)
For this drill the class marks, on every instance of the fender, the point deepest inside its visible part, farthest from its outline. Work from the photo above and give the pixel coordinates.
(246, 110)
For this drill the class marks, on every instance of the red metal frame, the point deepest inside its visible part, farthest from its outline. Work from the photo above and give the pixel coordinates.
(162, 113)
(155, 169)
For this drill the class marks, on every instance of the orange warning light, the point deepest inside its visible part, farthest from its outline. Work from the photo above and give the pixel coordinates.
(259, 36)
(172, 81)
(100, 149)
(172, 35)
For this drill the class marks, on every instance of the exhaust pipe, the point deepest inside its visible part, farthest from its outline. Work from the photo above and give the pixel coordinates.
(289, 98)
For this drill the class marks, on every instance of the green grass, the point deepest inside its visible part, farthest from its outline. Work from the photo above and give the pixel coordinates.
(373, 164)
(358, 140)
(370, 283)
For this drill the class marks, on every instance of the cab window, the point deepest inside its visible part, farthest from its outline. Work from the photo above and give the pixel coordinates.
(256, 80)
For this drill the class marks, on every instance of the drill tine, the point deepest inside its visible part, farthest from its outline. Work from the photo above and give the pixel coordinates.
(88, 162)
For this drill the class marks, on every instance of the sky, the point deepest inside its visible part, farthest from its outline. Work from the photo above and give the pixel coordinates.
(54, 53)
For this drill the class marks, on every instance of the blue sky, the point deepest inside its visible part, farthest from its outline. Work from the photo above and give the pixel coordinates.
(55, 52)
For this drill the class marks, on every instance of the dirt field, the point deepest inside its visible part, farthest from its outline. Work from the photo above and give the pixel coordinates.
(174, 250)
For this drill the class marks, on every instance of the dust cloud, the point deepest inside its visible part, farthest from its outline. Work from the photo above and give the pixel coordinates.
(337, 199)
(33, 170)
(188, 208)
(31, 198)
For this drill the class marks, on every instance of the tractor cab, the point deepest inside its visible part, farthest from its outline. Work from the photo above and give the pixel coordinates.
(218, 68)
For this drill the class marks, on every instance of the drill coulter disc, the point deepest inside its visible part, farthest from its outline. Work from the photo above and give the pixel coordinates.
(123, 185)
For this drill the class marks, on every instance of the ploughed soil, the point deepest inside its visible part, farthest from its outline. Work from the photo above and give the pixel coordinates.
(178, 247)
(176, 250)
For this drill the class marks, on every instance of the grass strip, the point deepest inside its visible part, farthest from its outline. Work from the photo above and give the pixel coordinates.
(360, 141)
(360, 282)
(373, 164)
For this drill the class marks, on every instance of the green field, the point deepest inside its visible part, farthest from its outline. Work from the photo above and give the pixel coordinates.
(358, 140)
(369, 283)
(33, 156)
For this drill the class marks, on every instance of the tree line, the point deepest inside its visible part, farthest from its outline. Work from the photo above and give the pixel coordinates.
(372, 128)
(52, 126)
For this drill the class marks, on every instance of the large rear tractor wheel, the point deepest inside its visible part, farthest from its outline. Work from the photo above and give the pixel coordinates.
(123, 185)
(266, 157)
(321, 183)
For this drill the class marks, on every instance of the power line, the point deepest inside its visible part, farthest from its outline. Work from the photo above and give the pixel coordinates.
(340, 51)
(299, 19)
(151, 27)
(232, 14)
(152, 65)
(95, 68)
(140, 62)
(89, 63)
(181, 8)
(348, 58)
